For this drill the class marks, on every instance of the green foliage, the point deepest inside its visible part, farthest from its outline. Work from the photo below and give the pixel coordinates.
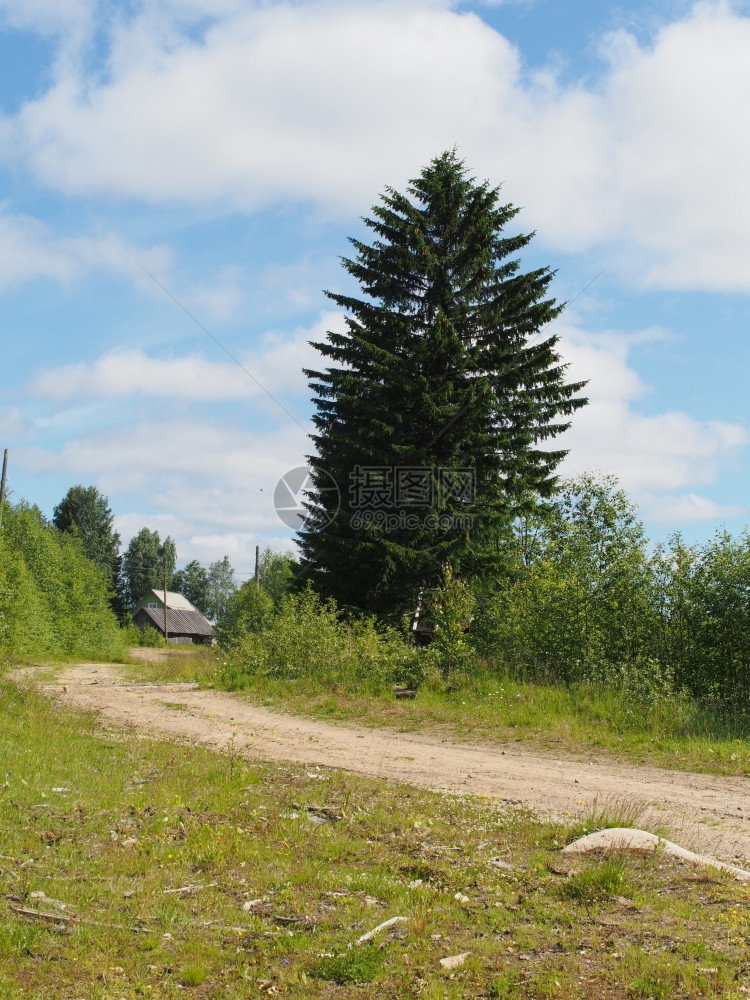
(437, 372)
(451, 612)
(247, 608)
(220, 588)
(192, 582)
(145, 562)
(151, 637)
(85, 512)
(194, 975)
(53, 599)
(25, 625)
(704, 615)
(307, 636)
(277, 573)
(578, 603)
(584, 601)
(597, 882)
(247, 611)
(359, 965)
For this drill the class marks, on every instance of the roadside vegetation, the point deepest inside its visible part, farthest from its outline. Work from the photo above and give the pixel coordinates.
(54, 600)
(592, 639)
(133, 867)
(576, 719)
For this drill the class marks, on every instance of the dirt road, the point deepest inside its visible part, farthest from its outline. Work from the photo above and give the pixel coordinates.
(699, 811)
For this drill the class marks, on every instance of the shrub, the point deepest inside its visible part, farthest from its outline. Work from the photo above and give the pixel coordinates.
(309, 637)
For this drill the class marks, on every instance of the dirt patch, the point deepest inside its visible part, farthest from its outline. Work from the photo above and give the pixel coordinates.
(703, 812)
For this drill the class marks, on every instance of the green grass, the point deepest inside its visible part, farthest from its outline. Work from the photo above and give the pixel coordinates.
(577, 719)
(597, 882)
(170, 665)
(185, 873)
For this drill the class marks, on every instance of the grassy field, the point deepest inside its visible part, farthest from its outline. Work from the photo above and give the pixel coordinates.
(132, 867)
(576, 719)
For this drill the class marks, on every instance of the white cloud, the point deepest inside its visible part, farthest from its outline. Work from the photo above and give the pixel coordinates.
(29, 250)
(274, 368)
(329, 101)
(649, 453)
(124, 373)
(207, 484)
(687, 508)
(13, 422)
(47, 16)
(151, 454)
(257, 110)
(220, 300)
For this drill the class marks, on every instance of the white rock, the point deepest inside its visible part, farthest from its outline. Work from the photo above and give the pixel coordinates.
(625, 839)
(454, 961)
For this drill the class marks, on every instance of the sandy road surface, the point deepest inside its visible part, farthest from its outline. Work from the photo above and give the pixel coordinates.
(699, 811)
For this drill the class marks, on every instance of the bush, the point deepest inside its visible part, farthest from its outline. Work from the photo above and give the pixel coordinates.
(451, 611)
(581, 601)
(247, 610)
(151, 637)
(308, 637)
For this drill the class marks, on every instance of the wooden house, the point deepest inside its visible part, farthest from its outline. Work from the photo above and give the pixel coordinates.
(185, 623)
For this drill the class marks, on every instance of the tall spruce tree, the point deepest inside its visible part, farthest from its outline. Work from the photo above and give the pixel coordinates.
(435, 411)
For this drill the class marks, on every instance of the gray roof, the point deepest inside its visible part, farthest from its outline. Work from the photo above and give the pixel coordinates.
(179, 622)
(174, 600)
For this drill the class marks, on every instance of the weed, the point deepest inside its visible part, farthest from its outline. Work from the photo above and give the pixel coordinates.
(597, 882)
(505, 986)
(611, 814)
(359, 965)
(194, 975)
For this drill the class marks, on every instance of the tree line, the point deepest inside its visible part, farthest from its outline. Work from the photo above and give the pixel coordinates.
(146, 563)
(587, 597)
(66, 588)
(54, 599)
(583, 596)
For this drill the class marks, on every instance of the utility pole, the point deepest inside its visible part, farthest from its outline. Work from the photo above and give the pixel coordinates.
(2, 485)
(166, 633)
(257, 567)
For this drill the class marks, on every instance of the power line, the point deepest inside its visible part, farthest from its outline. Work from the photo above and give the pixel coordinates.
(222, 347)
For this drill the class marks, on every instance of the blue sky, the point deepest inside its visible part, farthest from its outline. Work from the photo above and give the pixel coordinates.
(229, 149)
